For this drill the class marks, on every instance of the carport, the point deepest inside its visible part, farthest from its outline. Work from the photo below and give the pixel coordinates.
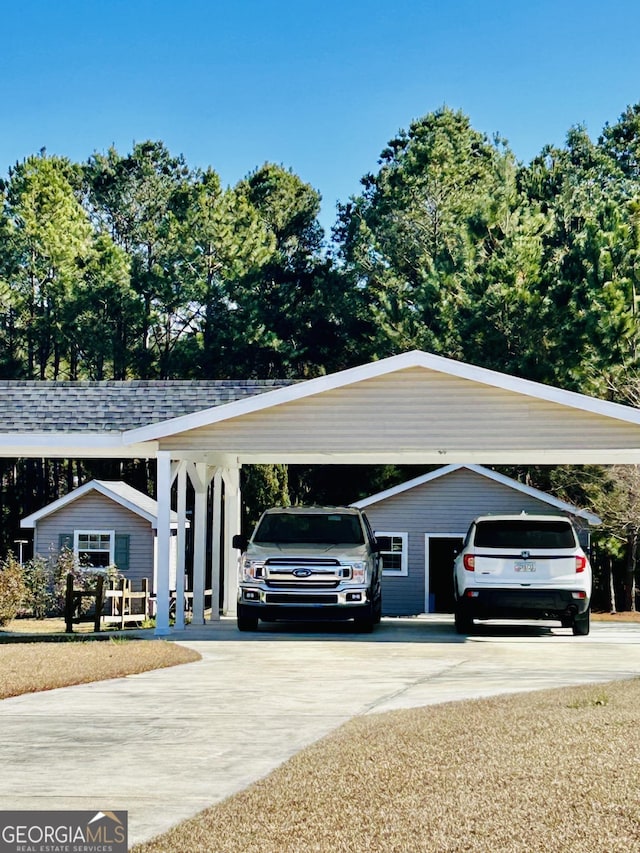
(414, 408)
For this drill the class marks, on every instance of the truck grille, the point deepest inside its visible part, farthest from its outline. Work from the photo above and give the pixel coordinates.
(287, 598)
(301, 583)
(304, 573)
(302, 561)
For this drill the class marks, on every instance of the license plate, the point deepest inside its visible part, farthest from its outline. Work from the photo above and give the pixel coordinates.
(524, 566)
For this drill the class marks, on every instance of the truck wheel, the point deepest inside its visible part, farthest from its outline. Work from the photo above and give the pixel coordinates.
(246, 620)
(463, 620)
(377, 611)
(364, 623)
(581, 625)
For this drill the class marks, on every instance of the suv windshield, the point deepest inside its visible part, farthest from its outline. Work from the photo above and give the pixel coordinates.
(299, 528)
(524, 534)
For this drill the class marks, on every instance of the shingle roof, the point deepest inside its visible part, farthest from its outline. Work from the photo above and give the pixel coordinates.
(113, 406)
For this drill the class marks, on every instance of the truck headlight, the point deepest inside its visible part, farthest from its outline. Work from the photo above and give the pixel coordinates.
(359, 571)
(252, 569)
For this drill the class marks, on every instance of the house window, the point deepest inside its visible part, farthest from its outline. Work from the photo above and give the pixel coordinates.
(393, 550)
(94, 548)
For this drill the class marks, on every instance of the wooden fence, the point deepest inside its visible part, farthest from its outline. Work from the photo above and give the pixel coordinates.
(127, 606)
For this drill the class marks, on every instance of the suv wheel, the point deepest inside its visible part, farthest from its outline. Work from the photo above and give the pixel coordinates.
(246, 619)
(581, 625)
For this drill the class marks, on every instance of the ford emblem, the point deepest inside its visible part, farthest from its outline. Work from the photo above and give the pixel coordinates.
(302, 573)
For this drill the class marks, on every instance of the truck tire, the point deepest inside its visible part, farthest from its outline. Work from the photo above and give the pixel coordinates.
(581, 625)
(377, 610)
(463, 619)
(246, 619)
(364, 623)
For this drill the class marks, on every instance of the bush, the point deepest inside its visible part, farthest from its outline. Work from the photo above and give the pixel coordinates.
(37, 577)
(84, 579)
(13, 590)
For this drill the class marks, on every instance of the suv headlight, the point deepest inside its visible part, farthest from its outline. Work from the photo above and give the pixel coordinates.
(252, 569)
(358, 571)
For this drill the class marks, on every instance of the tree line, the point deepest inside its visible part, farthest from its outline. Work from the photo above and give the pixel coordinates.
(137, 266)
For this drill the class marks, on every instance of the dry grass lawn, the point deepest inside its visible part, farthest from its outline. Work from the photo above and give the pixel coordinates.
(29, 667)
(555, 771)
(624, 616)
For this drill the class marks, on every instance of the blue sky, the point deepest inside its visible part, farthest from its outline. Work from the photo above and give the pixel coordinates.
(317, 87)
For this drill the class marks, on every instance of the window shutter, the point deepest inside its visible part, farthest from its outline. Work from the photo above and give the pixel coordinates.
(65, 540)
(121, 551)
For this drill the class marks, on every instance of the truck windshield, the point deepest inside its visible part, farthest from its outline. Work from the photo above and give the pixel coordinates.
(524, 534)
(298, 528)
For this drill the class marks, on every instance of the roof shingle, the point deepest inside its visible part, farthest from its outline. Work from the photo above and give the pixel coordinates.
(114, 406)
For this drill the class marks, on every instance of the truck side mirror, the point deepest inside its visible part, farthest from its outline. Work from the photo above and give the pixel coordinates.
(240, 542)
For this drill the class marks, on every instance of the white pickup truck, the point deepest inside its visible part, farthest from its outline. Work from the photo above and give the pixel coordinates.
(309, 563)
(522, 566)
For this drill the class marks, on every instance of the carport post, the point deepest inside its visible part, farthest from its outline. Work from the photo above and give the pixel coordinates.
(181, 545)
(163, 467)
(200, 480)
(232, 501)
(216, 533)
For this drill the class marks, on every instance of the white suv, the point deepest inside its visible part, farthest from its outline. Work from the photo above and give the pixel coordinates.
(522, 566)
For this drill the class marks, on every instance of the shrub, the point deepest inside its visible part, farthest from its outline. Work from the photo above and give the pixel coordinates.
(37, 577)
(13, 590)
(84, 578)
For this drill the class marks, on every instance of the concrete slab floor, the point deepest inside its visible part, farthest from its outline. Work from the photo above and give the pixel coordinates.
(163, 745)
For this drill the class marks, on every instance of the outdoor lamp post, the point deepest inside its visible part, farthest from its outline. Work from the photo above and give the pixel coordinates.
(20, 543)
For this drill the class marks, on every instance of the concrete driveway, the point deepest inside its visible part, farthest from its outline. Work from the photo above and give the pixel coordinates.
(164, 745)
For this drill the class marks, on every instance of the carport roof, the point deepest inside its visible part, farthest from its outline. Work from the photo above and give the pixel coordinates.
(413, 408)
(414, 359)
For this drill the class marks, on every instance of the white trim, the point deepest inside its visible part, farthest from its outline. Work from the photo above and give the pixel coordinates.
(427, 571)
(591, 517)
(65, 444)
(181, 475)
(395, 363)
(110, 490)
(404, 559)
(94, 532)
(163, 571)
(428, 456)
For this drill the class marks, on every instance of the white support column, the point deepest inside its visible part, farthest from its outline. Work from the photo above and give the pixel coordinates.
(200, 482)
(163, 463)
(232, 526)
(181, 545)
(216, 528)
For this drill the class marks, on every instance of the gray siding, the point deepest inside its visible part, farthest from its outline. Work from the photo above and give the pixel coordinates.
(93, 511)
(446, 505)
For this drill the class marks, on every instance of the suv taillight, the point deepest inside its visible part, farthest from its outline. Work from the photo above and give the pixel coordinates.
(469, 562)
(581, 563)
